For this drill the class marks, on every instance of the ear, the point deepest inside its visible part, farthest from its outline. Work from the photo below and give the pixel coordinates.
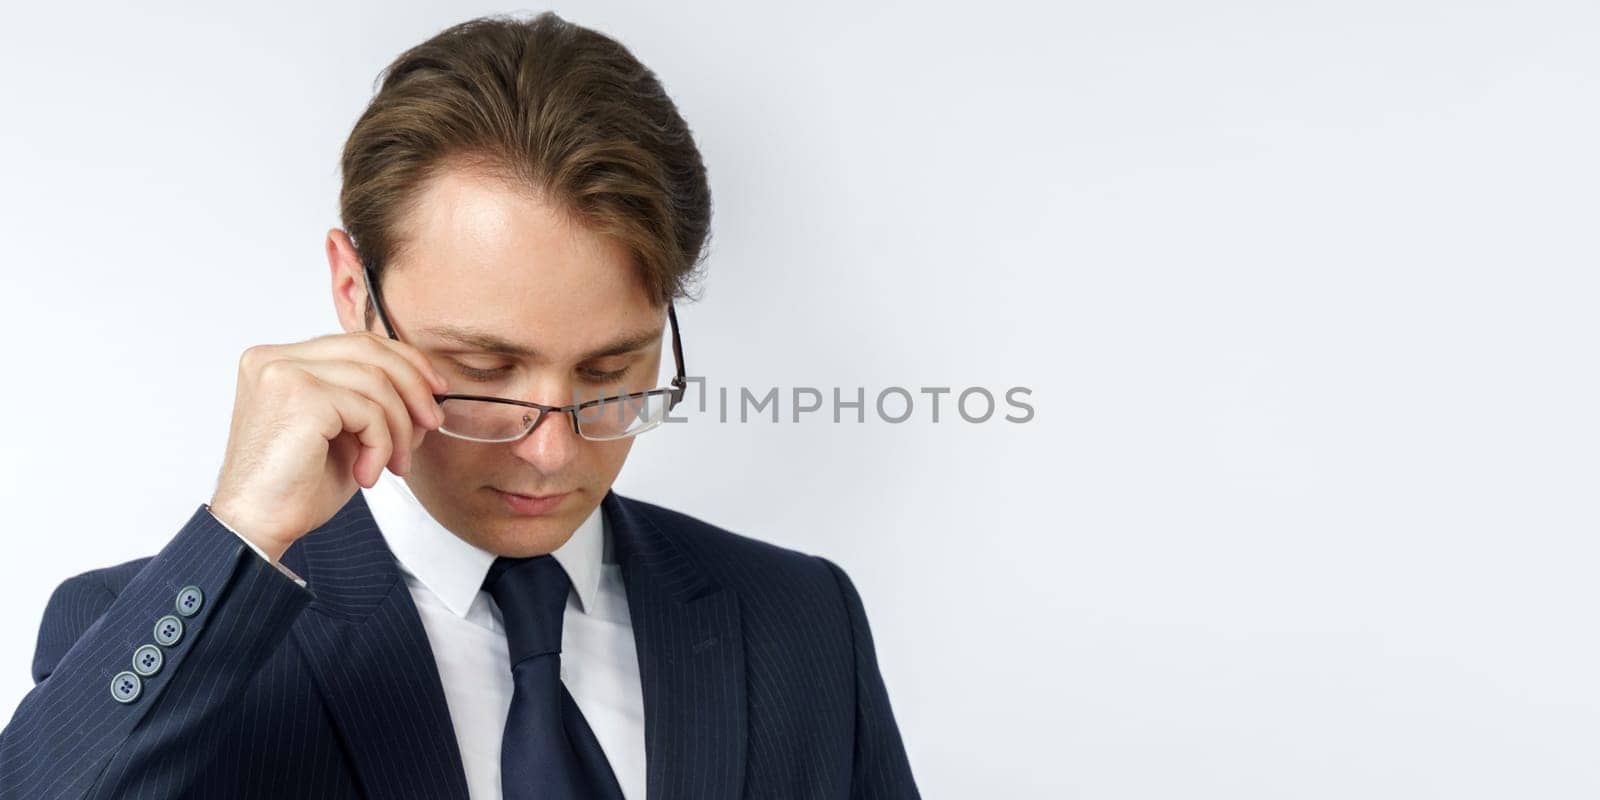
(349, 284)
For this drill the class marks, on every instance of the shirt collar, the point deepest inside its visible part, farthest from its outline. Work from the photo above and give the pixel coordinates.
(452, 567)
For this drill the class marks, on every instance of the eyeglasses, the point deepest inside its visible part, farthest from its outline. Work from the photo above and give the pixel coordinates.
(477, 418)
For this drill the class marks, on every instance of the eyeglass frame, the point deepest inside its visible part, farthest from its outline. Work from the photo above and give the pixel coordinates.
(674, 392)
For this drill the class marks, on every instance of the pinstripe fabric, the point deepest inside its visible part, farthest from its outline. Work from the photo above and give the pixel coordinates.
(69, 738)
(757, 666)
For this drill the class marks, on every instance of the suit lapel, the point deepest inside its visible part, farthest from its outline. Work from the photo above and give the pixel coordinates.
(691, 661)
(370, 657)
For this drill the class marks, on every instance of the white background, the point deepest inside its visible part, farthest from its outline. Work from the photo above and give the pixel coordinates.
(1304, 293)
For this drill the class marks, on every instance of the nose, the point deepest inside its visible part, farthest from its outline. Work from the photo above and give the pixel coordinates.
(552, 446)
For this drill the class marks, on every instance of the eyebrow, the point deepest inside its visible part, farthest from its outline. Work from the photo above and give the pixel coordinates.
(489, 343)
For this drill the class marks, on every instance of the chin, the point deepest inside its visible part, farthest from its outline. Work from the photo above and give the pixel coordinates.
(518, 536)
(523, 543)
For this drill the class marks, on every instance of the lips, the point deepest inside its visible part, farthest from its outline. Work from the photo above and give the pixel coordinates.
(531, 505)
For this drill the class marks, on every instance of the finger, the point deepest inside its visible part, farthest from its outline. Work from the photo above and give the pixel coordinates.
(413, 374)
(418, 359)
(380, 349)
(363, 418)
(374, 382)
(415, 386)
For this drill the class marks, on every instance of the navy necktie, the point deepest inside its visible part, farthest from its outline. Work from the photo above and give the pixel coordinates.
(548, 750)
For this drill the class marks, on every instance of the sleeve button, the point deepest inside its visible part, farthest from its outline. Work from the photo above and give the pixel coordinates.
(125, 687)
(190, 600)
(169, 630)
(147, 660)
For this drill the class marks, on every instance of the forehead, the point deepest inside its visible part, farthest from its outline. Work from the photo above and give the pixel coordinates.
(480, 253)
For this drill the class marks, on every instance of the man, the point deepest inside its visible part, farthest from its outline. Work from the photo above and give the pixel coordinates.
(413, 579)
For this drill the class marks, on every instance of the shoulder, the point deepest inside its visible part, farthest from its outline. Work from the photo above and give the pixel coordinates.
(91, 591)
(725, 554)
(111, 578)
(763, 573)
(74, 606)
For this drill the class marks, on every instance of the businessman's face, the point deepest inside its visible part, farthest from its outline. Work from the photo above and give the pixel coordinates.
(486, 262)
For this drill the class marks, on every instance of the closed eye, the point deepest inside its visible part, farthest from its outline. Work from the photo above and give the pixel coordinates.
(602, 377)
(482, 374)
(493, 374)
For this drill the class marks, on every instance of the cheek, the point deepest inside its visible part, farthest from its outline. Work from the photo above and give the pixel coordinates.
(442, 455)
(609, 456)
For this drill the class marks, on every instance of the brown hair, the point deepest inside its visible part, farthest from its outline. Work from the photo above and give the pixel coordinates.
(547, 105)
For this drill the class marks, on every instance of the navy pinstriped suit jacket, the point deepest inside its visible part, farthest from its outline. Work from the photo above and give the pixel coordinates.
(759, 675)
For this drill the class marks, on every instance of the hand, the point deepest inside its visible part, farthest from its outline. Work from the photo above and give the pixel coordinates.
(313, 419)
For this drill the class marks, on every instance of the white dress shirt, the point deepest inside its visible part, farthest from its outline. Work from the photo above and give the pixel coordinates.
(599, 663)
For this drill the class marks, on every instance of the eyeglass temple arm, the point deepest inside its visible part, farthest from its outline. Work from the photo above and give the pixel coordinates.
(377, 302)
(679, 383)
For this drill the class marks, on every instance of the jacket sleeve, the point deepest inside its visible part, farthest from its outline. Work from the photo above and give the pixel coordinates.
(881, 769)
(204, 615)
